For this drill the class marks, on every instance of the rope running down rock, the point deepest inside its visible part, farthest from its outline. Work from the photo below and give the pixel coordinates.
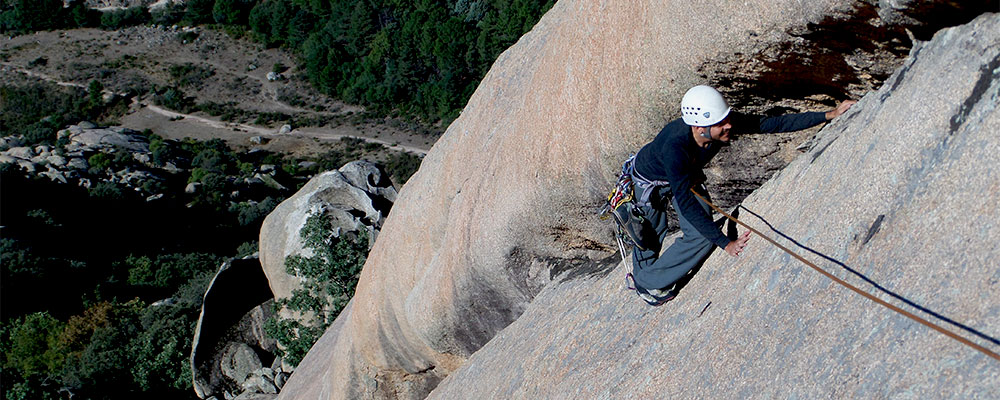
(867, 295)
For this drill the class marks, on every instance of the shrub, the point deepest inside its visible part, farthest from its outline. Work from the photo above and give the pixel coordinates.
(174, 99)
(99, 161)
(401, 166)
(31, 345)
(252, 213)
(231, 12)
(328, 277)
(169, 14)
(117, 19)
(106, 190)
(169, 270)
(189, 74)
(246, 249)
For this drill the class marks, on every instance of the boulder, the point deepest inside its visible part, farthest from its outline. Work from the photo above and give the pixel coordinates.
(56, 161)
(101, 138)
(171, 168)
(503, 206)
(259, 383)
(78, 163)
(41, 159)
(7, 142)
(236, 306)
(284, 129)
(55, 176)
(144, 158)
(357, 197)
(26, 165)
(255, 396)
(192, 187)
(22, 152)
(5, 159)
(269, 181)
(238, 361)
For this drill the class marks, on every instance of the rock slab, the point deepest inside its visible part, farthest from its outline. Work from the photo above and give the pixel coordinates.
(504, 202)
(901, 189)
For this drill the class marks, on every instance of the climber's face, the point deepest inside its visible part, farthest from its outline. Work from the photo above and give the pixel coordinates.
(720, 131)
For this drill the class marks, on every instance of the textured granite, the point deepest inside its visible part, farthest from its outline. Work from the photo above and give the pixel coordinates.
(903, 189)
(505, 200)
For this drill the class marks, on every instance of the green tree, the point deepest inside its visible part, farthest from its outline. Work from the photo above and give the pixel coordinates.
(167, 271)
(31, 345)
(329, 277)
(232, 12)
(131, 16)
(32, 15)
(198, 12)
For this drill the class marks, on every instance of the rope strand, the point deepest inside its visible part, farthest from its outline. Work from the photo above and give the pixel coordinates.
(867, 295)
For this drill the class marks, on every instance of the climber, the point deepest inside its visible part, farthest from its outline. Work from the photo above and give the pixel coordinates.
(666, 169)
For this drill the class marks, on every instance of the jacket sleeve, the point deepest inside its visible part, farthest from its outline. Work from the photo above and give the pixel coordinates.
(688, 206)
(791, 122)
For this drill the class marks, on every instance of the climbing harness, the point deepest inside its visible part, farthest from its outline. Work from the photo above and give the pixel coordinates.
(856, 289)
(623, 206)
(618, 205)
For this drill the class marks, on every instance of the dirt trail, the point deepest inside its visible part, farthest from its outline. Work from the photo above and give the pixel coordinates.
(322, 134)
(319, 133)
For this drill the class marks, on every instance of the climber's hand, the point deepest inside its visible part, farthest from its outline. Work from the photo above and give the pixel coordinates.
(735, 247)
(841, 108)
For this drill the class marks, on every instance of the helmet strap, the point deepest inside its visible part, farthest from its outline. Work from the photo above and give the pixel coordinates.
(707, 133)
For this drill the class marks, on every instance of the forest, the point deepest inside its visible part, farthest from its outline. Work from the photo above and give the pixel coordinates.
(101, 288)
(417, 59)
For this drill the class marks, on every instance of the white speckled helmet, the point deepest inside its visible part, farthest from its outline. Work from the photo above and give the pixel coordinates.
(703, 106)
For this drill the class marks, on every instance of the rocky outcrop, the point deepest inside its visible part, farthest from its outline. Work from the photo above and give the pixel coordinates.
(229, 340)
(504, 201)
(355, 198)
(901, 189)
(88, 137)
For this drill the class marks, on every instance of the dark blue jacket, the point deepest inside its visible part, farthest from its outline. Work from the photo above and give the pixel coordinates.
(675, 157)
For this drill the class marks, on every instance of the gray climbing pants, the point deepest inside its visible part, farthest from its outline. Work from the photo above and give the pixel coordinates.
(654, 271)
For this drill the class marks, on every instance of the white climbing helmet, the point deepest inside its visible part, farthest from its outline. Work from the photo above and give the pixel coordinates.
(703, 106)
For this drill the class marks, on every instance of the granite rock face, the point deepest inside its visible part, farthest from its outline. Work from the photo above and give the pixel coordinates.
(902, 189)
(504, 203)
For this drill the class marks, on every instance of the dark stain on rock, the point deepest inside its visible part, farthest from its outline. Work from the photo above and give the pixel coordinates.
(483, 311)
(821, 150)
(583, 267)
(901, 74)
(987, 74)
(874, 229)
(571, 239)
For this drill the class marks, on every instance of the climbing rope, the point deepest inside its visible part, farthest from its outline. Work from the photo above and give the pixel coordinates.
(867, 295)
